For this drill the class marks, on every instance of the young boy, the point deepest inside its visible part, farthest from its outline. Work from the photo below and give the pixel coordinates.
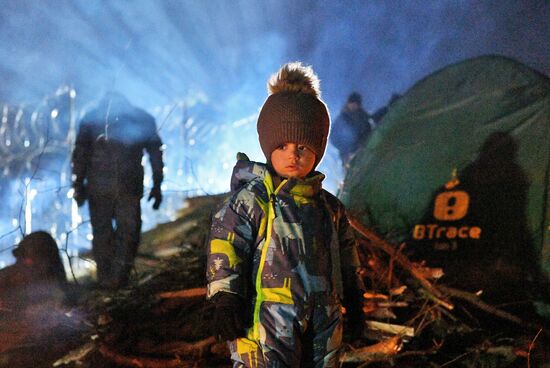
(281, 248)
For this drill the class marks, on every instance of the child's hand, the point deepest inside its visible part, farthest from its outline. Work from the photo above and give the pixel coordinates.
(228, 322)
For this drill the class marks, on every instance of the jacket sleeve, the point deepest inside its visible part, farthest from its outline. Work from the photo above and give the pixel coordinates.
(349, 257)
(348, 243)
(82, 152)
(352, 281)
(231, 245)
(153, 147)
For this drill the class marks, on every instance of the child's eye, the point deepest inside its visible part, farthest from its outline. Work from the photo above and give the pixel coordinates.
(302, 148)
(281, 146)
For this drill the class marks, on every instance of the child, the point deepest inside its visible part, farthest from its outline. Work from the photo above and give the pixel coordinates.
(281, 247)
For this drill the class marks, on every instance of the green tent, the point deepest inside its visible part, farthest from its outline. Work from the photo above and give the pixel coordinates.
(460, 166)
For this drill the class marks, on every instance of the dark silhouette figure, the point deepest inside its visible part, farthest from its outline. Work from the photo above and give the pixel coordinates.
(107, 171)
(37, 275)
(485, 243)
(379, 114)
(350, 128)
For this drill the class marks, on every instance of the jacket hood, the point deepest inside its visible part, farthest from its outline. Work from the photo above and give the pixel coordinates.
(246, 171)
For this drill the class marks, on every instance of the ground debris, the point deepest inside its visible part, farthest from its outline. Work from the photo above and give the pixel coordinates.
(163, 319)
(436, 325)
(379, 351)
(162, 322)
(75, 356)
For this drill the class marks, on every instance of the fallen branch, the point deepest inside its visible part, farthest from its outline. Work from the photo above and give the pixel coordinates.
(142, 362)
(195, 349)
(380, 351)
(76, 355)
(531, 346)
(475, 301)
(171, 300)
(187, 293)
(394, 329)
(407, 265)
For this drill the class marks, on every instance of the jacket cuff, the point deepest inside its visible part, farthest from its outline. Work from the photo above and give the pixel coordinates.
(226, 285)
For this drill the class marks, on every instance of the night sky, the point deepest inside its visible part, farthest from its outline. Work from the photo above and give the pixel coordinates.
(214, 57)
(158, 51)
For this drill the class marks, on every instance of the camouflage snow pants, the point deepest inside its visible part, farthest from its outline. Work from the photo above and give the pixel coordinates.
(291, 337)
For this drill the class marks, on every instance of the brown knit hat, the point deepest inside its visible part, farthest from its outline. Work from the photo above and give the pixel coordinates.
(294, 112)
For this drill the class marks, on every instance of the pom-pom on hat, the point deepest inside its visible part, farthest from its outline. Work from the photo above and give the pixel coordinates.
(294, 112)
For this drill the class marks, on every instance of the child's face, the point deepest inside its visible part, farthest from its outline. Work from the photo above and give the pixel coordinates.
(291, 160)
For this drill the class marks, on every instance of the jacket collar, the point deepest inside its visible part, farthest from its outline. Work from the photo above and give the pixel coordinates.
(307, 187)
(246, 171)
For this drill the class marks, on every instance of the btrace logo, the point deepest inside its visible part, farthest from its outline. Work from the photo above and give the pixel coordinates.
(450, 205)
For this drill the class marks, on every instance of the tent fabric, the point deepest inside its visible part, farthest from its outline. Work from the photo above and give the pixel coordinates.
(487, 120)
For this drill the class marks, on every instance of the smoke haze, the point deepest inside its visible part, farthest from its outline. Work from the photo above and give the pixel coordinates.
(200, 67)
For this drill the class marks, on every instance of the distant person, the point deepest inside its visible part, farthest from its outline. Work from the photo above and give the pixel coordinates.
(107, 171)
(351, 127)
(38, 274)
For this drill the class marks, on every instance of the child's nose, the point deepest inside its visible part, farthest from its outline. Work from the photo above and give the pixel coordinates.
(293, 153)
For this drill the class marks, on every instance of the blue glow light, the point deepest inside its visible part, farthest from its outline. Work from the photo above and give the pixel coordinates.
(201, 67)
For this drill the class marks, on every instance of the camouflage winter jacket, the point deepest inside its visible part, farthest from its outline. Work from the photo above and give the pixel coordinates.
(281, 244)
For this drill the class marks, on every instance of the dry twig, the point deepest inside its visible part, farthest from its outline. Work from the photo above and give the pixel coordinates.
(187, 293)
(381, 350)
(531, 345)
(474, 300)
(407, 265)
(195, 349)
(142, 362)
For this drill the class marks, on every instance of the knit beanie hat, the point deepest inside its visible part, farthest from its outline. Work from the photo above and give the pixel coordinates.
(294, 112)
